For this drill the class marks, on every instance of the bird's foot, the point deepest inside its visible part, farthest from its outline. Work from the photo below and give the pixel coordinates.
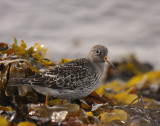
(47, 99)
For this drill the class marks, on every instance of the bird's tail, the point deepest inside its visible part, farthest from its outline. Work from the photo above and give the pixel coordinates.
(19, 82)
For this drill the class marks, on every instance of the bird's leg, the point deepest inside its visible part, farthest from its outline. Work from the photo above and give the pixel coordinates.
(68, 101)
(64, 101)
(47, 98)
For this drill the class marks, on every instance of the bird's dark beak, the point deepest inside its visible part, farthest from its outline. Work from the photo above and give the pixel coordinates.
(106, 59)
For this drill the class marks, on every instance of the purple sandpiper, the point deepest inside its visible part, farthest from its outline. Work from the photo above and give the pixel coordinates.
(71, 80)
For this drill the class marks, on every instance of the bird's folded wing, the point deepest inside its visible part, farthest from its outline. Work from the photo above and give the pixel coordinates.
(70, 75)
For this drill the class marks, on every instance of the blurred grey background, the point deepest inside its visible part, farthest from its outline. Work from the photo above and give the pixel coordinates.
(69, 28)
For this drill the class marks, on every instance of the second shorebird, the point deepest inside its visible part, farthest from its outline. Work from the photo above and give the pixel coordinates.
(72, 80)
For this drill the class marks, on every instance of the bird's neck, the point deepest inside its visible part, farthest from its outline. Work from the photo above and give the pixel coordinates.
(100, 66)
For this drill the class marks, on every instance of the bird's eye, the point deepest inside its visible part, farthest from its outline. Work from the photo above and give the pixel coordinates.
(98, 52)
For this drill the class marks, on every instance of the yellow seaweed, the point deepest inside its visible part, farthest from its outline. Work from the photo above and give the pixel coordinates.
(26, 123)
(39, 52)
(63, 60)
(116, 114)
(125, 98)
(18, 50)
(3, 122)
(57, 102)
(5, 108)
(47, 63)
(150, 77)
(114, 85)
(89, 113)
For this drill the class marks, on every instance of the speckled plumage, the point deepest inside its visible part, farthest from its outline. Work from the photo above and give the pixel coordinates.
(71, 80)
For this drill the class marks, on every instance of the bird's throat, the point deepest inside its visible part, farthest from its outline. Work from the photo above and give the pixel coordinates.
(100, 66)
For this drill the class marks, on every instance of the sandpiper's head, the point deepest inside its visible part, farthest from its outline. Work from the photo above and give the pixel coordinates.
(98, 53)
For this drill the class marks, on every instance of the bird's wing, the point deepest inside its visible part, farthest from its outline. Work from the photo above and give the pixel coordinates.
(70, 75)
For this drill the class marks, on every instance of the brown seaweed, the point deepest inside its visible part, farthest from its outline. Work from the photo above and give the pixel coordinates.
(118, 102)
